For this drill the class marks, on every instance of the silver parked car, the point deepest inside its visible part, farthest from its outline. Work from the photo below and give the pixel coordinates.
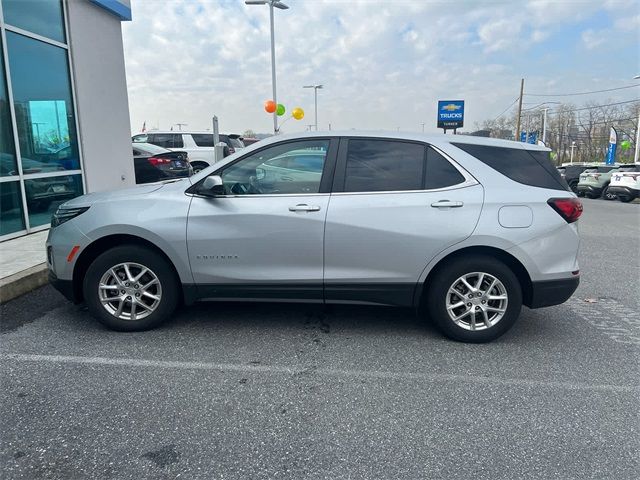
(464, 229)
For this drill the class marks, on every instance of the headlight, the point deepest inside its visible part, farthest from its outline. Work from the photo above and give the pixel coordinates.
(65, 214)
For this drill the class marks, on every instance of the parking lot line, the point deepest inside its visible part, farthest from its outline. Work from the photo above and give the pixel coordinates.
(299, 371)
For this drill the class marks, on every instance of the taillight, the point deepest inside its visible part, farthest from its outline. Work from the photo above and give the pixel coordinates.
(158, 161)
(568, 208)
(595, 175)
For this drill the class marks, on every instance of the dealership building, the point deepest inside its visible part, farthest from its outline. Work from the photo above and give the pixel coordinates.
(64, 113)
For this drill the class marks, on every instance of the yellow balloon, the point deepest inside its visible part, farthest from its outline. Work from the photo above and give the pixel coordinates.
(297, 113)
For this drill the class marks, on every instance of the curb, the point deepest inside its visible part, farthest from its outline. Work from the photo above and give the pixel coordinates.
(23, 282)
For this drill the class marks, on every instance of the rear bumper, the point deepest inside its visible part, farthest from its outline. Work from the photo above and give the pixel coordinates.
(590, 189)
(65, 287)
(624, 191)
(552, 292)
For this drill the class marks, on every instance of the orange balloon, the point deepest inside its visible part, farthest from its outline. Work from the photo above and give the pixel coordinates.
(270, 106)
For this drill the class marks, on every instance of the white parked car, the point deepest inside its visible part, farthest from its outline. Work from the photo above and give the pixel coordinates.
(198, 145)
(625, 182)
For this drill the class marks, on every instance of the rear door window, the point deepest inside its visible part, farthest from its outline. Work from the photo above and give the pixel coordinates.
(383, 165)
(166, 140)
(529, 167)
(440, 172)
(203, 139)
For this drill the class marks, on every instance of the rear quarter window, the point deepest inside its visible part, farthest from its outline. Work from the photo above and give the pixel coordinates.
(528, 167)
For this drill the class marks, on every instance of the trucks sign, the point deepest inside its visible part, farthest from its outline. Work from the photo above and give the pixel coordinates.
(450, 114)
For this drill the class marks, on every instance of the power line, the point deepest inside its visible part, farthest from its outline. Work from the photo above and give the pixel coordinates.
(594, 107)
(580, 93)
(503, 112)
(617, 120)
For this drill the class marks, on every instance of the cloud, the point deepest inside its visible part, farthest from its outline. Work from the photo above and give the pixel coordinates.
(594, 38)
(383, 64)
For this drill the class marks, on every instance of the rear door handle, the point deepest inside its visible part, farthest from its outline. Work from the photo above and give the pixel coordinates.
(303, 207)
(447, 204)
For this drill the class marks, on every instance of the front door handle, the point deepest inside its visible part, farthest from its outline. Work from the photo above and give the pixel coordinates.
(447, 204)
(303, 207)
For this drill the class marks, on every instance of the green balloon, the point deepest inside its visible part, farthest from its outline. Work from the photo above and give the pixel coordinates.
(625, 145)
(280, 110)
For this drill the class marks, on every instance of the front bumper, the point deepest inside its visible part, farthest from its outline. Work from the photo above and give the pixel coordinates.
(65, 287)
(624, 191)
(552, 292)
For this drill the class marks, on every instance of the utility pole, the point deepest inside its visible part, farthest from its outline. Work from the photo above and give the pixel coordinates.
(422, 127)
(519, 110)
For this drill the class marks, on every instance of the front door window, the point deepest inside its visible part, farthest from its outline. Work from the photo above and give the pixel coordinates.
(289, 168)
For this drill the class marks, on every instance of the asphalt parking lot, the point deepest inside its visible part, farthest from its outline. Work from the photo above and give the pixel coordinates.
(294, 391)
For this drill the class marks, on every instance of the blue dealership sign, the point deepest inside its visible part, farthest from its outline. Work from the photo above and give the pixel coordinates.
(450, 114)
(611, 152)
(533, 137)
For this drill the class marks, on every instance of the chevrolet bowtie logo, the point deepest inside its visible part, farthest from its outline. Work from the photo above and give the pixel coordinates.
(451, 107)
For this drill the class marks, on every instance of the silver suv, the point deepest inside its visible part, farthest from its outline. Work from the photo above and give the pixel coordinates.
(464, 229)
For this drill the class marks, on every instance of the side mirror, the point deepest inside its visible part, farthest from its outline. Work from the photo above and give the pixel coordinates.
(211, 186)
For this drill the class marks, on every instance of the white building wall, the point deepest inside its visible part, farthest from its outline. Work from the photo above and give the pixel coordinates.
(95, 40)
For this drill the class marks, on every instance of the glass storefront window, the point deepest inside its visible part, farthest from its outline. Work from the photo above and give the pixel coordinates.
(45, 194)
(43, 105)
(42, 17)
(11, 217)
(7, 146)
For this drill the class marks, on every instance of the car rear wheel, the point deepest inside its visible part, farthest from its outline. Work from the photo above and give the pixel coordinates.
(625, 198)
(474, 299)
(574, 187)
(130, 288)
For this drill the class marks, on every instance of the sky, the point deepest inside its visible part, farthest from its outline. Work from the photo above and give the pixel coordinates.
(384, 64)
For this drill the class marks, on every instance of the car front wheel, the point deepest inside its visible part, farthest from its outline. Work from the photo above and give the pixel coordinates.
(130, 288)
(607, 195)
(474, 299)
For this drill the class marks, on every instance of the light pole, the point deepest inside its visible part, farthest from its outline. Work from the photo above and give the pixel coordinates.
(281, 6)
(315, 101)
(573, 146)
(422, 127)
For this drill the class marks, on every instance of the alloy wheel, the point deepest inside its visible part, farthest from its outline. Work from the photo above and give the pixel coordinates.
(130, 291)
(476, 301)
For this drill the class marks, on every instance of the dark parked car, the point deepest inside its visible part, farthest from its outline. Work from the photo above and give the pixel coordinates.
(571, 174)
(153, 163)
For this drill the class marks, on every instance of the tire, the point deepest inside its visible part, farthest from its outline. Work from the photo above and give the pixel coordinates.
(446, 278)
(608, 196)
(625, 198)
(580, 194)
(574, 187)
(199, 166)
(150, 311)
(590, 195)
